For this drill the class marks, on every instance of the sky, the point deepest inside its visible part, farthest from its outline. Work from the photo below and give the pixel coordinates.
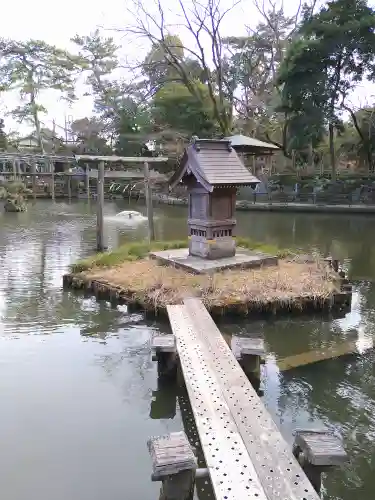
(42, 19)
(56, 23)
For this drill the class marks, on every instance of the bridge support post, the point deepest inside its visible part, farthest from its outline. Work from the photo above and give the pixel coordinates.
(164, 351)
(317, 451)
(249, 354)
(52, 168)
(173, 463)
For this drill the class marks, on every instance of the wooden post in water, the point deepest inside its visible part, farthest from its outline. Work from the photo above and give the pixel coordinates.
(249, 354)
(99, 207)
(164, 351)
(317, 451)
(52, 180)
(69, 185)
(33, 180)
(88, 181)
(14, 169)
(173, 463)
(149, 207)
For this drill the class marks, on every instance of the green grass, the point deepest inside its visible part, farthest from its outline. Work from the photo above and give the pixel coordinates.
(140, 249)
(282, 253)
(128, 252)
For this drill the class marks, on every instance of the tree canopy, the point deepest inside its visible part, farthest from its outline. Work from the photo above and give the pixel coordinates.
(335, 50)
(31, 67)
(289, 80)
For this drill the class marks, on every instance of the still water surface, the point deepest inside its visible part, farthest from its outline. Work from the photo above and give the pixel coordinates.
(77, 381)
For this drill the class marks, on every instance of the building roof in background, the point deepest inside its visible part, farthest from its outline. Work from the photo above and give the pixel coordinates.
(242, 141)
(214, 163)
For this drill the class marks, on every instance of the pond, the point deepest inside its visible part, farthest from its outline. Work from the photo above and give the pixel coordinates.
(76, 376)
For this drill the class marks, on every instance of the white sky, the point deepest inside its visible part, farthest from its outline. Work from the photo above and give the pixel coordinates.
(58, 23)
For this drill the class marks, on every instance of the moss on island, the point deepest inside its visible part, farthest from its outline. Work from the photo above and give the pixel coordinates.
(138, 250)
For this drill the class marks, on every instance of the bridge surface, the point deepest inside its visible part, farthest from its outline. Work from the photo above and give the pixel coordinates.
(245, 453)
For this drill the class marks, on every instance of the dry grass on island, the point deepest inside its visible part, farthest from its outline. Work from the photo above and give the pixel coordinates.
(296, 283)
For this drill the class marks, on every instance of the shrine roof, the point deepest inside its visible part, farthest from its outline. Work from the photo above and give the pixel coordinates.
(214, 163)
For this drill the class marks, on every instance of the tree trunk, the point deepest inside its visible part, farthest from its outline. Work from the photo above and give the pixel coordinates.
(310, 155)
(332, 151)
(36, 121)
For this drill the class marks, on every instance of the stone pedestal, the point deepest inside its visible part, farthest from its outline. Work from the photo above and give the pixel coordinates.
(182, 258)
(210, 240)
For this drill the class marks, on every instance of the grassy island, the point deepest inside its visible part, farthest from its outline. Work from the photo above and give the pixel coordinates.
(128, 275)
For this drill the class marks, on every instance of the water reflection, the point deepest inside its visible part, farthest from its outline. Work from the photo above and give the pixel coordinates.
(79, 392)
(75, 404)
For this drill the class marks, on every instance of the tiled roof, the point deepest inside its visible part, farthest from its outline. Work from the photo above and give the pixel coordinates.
(214, 163)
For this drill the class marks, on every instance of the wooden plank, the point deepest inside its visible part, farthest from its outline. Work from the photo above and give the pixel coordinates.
(230, 468)
(127, 159)
(115, 174)
(306, 358)
(31, 156)
(279, 472)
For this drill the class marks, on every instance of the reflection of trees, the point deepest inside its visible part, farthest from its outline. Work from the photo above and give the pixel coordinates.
(341, 394)
(309, 230)
(31, 265)
(37, 247)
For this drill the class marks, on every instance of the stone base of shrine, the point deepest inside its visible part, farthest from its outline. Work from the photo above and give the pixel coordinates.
(244, 259)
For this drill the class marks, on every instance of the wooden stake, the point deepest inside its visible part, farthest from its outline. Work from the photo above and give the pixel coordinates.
(174, 464)
(165, 353)
(149, 207)
(88, 181)
(249, 353)
(99, 214)
(317, 451)
(33, 169)
(69, 186)
(53, 180)
(14, 170)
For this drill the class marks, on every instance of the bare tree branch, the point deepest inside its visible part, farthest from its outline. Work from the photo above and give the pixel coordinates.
(202, 23)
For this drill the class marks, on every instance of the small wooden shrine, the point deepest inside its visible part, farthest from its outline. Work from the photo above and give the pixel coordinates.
(212, 171)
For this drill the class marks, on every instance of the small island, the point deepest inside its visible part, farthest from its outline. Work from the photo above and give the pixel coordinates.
(128, 275)
(229, 274)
